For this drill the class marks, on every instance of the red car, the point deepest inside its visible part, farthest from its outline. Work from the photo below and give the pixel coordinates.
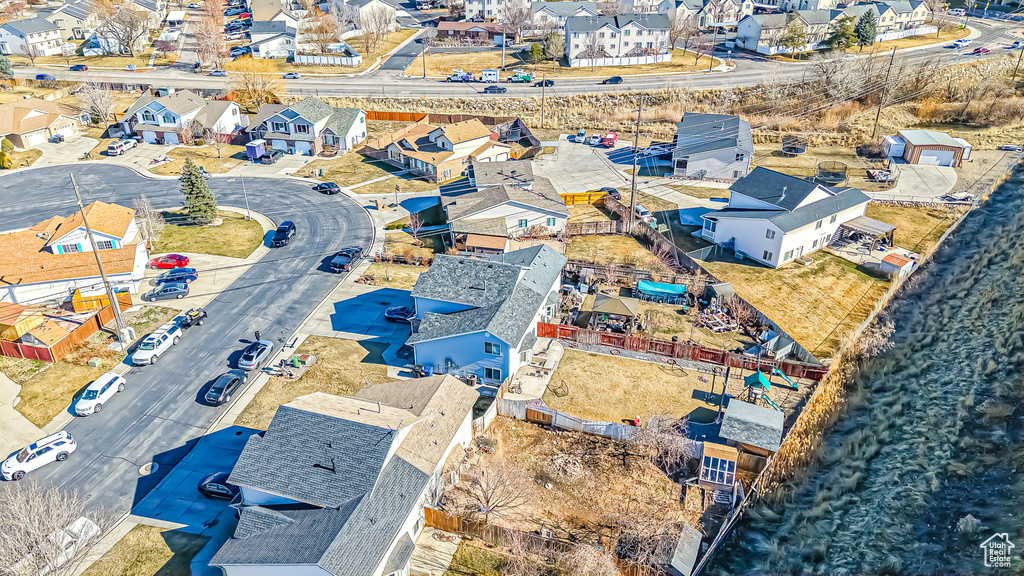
(169, 261)
(980, 51)
(245, 15)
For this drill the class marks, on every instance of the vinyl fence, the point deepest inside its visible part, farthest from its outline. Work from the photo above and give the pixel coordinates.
(621, 61)
(318, 60)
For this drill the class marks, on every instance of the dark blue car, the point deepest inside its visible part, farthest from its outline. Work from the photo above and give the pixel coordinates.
(46, 77)
(185, 275)
(216, 485)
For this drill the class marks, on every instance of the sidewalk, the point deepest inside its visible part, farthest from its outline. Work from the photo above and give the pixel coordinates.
(16, 431)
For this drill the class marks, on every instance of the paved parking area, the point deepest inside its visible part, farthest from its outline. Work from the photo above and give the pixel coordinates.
(71, 149)
(287, 164)
(919, 183)
(359, 314)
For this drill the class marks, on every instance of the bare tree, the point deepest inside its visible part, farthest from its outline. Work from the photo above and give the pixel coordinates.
(321, 30)
(415, 225)
(210, 42)
(346, 14)
(585, 559)
(257, 82)
(744, 313)
(47, 529)
(554, 46)
(682, 28)
(613, 7)
(456, 9)
(127, 26)
(497, 490)
(151, 221)
(165, 46)
(217, 140)
(663, 442)
(520, 552)
(12, 10)
(379, 21)
(594, 50)
(97, 99)
(30, 51)
(516, 17)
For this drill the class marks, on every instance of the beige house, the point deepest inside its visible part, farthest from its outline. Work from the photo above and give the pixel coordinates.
(441, 152)
(27, 123)
(615, 37)
(76, 19)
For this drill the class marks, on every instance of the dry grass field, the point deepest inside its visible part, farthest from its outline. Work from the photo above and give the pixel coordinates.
(235, 237)
(441, 64)
(204, 156)
(149, 551)
(917, 228)
(614, 249)
(402, 277)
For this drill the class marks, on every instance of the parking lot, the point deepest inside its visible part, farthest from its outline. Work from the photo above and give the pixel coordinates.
(216, 274)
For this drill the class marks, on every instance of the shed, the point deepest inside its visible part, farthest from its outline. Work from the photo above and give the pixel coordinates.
(255, 149)
(895, 265)
(893, 146)
(967, 148)
(935, 148)
(753, 428)
(484, 244)
(686, 553)
(718, 466)
(17, 319)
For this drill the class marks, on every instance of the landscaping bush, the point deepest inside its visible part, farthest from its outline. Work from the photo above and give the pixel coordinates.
(6, 145)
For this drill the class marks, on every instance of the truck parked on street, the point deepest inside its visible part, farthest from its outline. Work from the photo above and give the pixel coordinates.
(459, 76)
(489, 75)
(519, 76)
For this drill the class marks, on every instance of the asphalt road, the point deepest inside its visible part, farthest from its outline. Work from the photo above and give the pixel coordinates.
(158, 416)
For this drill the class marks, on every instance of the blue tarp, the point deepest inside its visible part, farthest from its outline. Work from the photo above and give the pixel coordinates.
(659, 289)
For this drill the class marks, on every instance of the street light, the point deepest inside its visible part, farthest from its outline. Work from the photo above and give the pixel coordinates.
(397, 189)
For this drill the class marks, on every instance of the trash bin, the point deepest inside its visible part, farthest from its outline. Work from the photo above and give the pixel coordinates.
(428, 371)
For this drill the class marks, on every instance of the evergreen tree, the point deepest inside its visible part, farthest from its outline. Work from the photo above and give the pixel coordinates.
(842, 36)
(794, 37)
(199, 201)
(6, 69)
(536, 53)
(865, 29)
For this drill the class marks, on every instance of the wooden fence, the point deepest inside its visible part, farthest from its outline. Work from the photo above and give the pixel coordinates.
(81, 303)
(64, 346)
(677, 350)
(582, 198)
(396, 116)
(537, 412)
(592, 228)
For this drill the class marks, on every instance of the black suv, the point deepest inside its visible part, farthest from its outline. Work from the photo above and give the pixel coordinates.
(271, 156)
(343, 260)
(283, 234)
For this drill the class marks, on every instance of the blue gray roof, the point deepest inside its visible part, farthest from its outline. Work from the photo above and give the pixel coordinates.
(696, 133)
(504, 291)
(31, 26)
(270, 29)
(781, 190)
(754, 425)
(843, 199)
(79, 9)
(593, 23)
(562, 9)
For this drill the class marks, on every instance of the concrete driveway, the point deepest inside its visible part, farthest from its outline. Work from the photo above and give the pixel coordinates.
(919, 183)
(287, 164)
(71, 149)
(359, 315)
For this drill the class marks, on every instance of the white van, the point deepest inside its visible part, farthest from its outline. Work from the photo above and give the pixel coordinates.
(643, 213)
(119, 147)
(957, 12)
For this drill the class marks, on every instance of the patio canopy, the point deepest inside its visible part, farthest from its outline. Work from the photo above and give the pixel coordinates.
(616, 305)
(870, 227)
(659, 289)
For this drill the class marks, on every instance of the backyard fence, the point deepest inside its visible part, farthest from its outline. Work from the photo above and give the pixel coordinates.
(621, 61)
(65, 345)
(593, 228)
(582, 198)
(537, 412)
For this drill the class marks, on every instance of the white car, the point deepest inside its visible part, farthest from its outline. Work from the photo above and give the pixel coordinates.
(581, 136)
(595, 139)
(53, 448)
(156, 343)
(60, 547)
(98, 392)
(962, 43)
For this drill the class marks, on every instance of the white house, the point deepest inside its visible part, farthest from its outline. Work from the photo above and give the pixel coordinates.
(368, 9)
(712, 146)
(180, 117)
(774, 218)
(507, 191)
(617, 38)
(552, 15)
(710, 13)
(308, 126)
(479, 317)
(337, 485)
(52, 259)
(441, 152)
(39, 35)
(273, 39)
(77, 19)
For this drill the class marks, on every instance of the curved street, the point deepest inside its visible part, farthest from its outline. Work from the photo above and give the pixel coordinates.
(158, 417)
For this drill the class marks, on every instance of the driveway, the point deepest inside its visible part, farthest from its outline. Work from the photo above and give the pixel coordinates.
(71, 149)
(359, 315)
(919, 183)
(287, 164)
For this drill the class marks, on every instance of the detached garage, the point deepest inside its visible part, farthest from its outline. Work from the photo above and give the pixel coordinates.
(928, 147)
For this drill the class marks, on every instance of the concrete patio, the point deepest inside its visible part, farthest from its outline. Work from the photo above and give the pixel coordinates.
(531, 380)
(434, 551)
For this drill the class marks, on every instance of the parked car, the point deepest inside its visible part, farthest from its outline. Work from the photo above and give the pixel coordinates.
(612, 80)
(292, 75)
(239, 50)
(194, 5)
(218, 73)
(956, 12)
(612, 192)
(79, 68)
(98, 392)
(962, 43)
(193, 317)
(234, 11)
(327, 188)
(1011, 148)
(493, 89)
(581, 135)
(255, 355)
(169, 261)
(271, 156)
(185, 275)
(1017, 44)
(655, 151)
(57, 138)
(224, 385)
(399, 314)
(236, 36)
(344, 259)
(216, 485)
(53, 448)
(544, 84)
(980, 50)
(167, 291)
(119, 147)
(595, 139)
(47, 77)
(57, 549)
(283, 234)
(245, 15)
(157, 343)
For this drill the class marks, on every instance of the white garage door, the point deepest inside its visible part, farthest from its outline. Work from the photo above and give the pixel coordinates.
(170, 138)
(149, 137)
(34, 138)
(279, 145)
(302, 148)
(936, 157)
(67, 131)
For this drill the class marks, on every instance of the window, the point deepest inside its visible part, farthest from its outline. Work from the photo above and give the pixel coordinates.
(818, 224)
(551, 221)
(815, 243)
(767, 256)
(523, 223)
(147, 116)
(492, 348)
(788, 255)
(770, 234)
(362, 120)
(524, 356)
(105, 245)
(833, 219)
(492, 374)
(169, 118)
(741, 157)
(710, 225)
(737, 173)
(302, 128)
(329, 139)
(625, 33)
(277, 127)
(718, 471)
(69, 249)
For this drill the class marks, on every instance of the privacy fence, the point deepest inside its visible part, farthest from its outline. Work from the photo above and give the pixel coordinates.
(537, 412)
(65, 345)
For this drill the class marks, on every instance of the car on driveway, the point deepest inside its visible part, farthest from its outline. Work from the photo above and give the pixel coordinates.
(218, 73)
(185, 275)
(544, 84)
(239, 50)
(495, 90)
(98, 392)
(327, 188)
(157, 343)
(399, 314)
(1017, 44)
(283, 235)
(1011, 148)
(53, 448)
(612, 192)
(167, 292)
(595, 139)
(79, 68)
(216, 485)
(271, 156)
(48, 555)
(225, 384)
(169, 261)
(980, 50)
(612, 80)
(344, 259)
(292, 75)
(255, 355)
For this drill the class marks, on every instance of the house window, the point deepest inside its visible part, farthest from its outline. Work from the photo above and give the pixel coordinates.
(524, 356)
(710, 225)
(737, 173)
(741, 157)
(277, 127)
(147, 116)
(492, 348)
(105, 245)
(625, 33)
(818, 224)
(815, 243)
(302, 128)
(492, 374)
(329, 139)
(770, 234)
(69, 249)
(551, 221)
(523, 223)
(168, 118)
(788, 255)
(833, 219)
(767, 256)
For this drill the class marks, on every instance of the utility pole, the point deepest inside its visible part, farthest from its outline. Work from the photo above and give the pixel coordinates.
(424, 54)
(95, 251)
(1017, 67)
(543, 87)
(248, 214)
(881, 98)
(711, 53)
(636, 155)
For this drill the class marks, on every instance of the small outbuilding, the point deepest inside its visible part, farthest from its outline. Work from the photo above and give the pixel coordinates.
(614, 313)
(753, 429)
(895, 265)
(718, 466)
(686, 553)
(927, 147)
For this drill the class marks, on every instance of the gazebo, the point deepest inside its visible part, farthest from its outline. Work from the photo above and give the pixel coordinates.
(864, 227)
(614, 313)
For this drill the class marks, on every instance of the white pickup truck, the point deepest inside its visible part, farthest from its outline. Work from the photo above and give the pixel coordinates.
(156, 344)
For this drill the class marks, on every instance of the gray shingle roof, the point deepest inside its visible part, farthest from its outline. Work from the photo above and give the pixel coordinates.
(80, 9)
(257, 519)
(592, 23)
(562, 9)
(697, 133)
(266, 538)
(778, 189)
(461, 200)
(769, 21)
(180, 102)
(400, 555)
(818, 16)
(787, 221)
(754, 425)
(270, 28)
(514, 172)
(342, 119)
(466, 281)
(31, 26)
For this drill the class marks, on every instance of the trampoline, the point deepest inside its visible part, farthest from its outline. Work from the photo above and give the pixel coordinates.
(659, 292)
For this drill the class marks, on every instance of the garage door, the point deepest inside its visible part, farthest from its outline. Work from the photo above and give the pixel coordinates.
(302, 148)
(67, 131)
(149, 137)
(279, 145)
(170, 138)
(34, 138)
(936, 157)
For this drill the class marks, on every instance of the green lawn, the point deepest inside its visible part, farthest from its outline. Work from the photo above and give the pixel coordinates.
(236, 237)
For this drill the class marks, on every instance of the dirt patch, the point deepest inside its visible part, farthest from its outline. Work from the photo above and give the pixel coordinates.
(770, 156)
(352, 168)
(24, 158)
(470, 560)
(149, 551)
(402, 277)
(236, 237)
(342, 368)
(587, 213)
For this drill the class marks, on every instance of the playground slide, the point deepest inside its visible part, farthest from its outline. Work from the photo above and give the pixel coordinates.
(772, 403)
(786, 378)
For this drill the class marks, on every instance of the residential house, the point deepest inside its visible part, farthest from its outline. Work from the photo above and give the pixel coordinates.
(774, 218)
(39, 35)
(762, 32)
(16, 320)
(712, 146)
(793, 5)
(485, 10)
(369, 9)
(441, 152)
(154, 11)
(448, 31)
(478, 317)
(337, 485)
(898, 15)
(616, 36)
(711, 13)
(77, 19)
(273, 39)
(649, 6)
(927, 147)
(552, 15)
(268, 10)
(507, 191)
(103, 41)
(752, 429)
(180, 117)
(308, 127)
(52, 259)
(32, 121)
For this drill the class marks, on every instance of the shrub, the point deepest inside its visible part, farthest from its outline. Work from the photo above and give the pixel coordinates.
(6, 145)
